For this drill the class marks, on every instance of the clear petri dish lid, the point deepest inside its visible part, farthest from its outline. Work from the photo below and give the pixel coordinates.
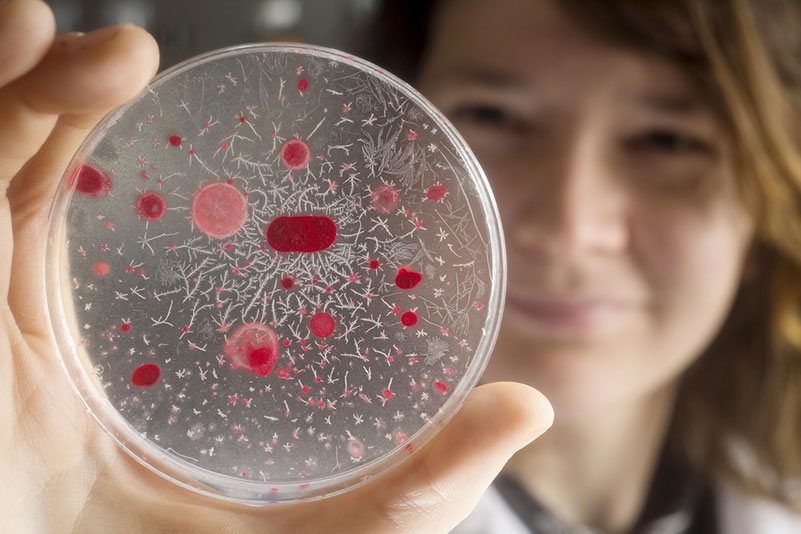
(274, 274)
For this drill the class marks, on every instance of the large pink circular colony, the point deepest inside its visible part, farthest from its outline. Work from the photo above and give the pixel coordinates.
(253, 347)
(219, 210)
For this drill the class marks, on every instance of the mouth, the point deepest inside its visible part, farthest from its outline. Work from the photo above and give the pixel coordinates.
(568, 314)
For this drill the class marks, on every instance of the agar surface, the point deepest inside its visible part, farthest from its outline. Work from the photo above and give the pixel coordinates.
(279, 264)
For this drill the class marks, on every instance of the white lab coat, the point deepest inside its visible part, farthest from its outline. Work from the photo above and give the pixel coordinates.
(738, 513)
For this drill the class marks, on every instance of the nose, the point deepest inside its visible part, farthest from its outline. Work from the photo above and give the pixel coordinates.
(572, 203)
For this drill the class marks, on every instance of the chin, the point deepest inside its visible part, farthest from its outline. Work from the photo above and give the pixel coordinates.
(578, 377)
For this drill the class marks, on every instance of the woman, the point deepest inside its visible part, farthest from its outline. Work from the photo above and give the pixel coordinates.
(643, 156)
(652, 297)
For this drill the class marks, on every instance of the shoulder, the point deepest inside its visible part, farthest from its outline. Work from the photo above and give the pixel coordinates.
(740, 512)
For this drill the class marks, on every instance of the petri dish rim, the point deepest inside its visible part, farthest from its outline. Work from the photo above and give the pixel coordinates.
(225, 487)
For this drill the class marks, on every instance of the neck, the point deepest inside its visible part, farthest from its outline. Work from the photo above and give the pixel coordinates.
(595, 469)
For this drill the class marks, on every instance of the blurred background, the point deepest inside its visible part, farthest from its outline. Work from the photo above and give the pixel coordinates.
(187, 28)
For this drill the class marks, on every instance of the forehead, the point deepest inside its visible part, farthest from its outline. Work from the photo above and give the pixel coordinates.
(534, 43)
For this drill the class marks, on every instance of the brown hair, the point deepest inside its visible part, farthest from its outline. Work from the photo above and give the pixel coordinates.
(746, 56)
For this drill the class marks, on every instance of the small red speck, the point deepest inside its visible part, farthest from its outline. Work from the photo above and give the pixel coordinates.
(125, 327)
(387, 394)
(440, 386)
(303, 84)
(322, 324)
(436, 193)
(101, 268)
(151, 206)
(146, 375)
(375, 264)
(412, 135)
(295, 154)
(92, 182)
(175, 140)
(287, 283)
(409, 318)
(406, 279)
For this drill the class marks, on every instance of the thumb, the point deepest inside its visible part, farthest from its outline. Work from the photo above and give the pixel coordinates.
(440, 485)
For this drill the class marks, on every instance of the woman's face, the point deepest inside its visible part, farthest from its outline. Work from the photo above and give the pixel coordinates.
(625, 235)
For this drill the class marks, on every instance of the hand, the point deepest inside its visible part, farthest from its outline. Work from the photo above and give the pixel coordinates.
(59, 472)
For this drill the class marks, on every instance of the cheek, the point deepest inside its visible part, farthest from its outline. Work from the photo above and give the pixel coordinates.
(691, 260)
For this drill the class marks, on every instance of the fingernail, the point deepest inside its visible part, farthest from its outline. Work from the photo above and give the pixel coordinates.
(93, 38)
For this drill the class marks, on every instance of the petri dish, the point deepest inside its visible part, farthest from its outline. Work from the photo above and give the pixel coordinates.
(275, 274)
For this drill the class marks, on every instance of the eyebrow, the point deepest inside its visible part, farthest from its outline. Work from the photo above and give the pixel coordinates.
(488, 77)
(671, 103)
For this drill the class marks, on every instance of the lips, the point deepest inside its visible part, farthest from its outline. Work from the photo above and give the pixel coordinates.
(567, 312)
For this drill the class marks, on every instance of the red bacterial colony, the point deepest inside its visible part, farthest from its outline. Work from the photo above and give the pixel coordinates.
(301, 233)
(295, 154)
(151, 206)
(374, 264)
(146, 375)
(440, 386)
(384, 198)
(436, 193)
(409, 318)
(219, 210)
(92, 182)
(101, 268)
(322, 324)
(406, 279)
(175, 140)
(303, 84)
(253, 347)
(287, 282)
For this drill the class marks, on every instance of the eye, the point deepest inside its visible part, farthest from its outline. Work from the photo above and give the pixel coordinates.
(489, 116)
(670, 142)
